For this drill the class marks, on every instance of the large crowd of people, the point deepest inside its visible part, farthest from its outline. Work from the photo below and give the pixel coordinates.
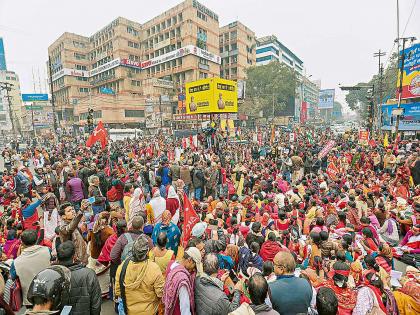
(311, 223)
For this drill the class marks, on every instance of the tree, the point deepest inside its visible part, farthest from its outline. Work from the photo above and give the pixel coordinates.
(359, 100)
(274, 80)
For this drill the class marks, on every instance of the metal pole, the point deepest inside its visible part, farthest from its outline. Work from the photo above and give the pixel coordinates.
(52, 96)
(397, 124)
(160, 110)
(32, 114)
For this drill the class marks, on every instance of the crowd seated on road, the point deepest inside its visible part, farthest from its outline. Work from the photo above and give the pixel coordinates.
(309, 224)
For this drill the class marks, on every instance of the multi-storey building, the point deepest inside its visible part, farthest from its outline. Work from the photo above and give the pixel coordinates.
(237, 50)
(2, 56)
(269, 48)
(17, 110)
(126, 64)
(310, 95)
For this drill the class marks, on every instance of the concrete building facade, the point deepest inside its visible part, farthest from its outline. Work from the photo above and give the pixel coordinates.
(237, 50)
(18, 111)
(269, 48)
(128, 65)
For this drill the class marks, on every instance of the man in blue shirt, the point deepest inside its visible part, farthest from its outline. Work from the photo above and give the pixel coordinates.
(289, 295)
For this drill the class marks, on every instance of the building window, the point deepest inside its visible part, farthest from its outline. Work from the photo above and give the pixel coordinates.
(80, 67)
(132, 31)
(202, 16)
(233, 34)
(84, 90)
(135, 83)
(133, 44)
(79, 56)
(261, 59)
(265, 49)
(82, 78)
(134, 113)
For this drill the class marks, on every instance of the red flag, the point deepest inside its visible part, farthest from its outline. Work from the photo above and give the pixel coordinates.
(99, 134)
(332, 171)
(190, 219)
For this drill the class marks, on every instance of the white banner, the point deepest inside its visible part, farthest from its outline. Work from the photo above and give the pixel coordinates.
(71, 72)
(109, 65)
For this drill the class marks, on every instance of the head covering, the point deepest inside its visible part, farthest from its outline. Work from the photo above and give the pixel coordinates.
(101, 222)
(195, 254)
(166, 217)
(172, 193)
(199, 229)
(140, 249)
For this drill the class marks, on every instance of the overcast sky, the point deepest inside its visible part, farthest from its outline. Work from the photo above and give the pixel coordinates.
(335, 39)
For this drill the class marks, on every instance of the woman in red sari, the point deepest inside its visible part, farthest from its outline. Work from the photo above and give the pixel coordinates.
(368, 242)
(337, 281)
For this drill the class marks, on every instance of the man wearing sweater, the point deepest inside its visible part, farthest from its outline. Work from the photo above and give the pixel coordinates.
(289, 295)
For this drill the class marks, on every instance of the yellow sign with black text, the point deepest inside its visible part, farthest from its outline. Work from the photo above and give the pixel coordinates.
(213, 95)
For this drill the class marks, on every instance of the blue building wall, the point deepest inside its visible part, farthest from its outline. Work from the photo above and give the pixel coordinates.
(2, 56)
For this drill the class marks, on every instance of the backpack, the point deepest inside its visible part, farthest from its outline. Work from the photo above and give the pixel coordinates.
(127, 252)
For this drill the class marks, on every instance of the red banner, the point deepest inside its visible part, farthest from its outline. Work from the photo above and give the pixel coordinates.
(332, 171)
(190, 219)
(326, 149)
(304, 112)
(364, 136)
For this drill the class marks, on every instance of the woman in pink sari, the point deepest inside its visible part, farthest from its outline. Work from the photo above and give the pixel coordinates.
(11, 247)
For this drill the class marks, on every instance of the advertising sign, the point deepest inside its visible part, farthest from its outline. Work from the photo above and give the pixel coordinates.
(70, 72)
(409, 120)
(130, 63)
(326, 99)
(326, 149)
(34, 97)
(106, 66)
(364, 137)
(214, 95)
(181, 52)
(411, 73)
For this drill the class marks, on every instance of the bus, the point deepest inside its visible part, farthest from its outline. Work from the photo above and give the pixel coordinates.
(121, 134)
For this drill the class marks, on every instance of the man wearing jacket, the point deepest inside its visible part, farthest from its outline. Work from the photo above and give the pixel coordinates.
(210, 299)
(85, 294)
(69, 230)
(32, 260)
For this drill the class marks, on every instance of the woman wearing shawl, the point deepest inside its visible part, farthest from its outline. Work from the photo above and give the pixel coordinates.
(370, 297)
(12, 244)
(384, 258)
(128, 192)
(173, 204)
(100, 233)
(172, 232)
(338, 283)
(389, 230)
(137, 205)
(158, 204)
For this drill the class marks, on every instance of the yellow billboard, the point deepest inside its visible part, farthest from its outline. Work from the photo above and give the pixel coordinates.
(213, 95)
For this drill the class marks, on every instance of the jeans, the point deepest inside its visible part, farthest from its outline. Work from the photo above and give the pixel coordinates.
(76, 205)
(97, 209)
(187, 190)
(197, 193)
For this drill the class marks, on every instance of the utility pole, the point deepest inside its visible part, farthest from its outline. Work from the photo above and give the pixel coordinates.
(52, 96)
(160, 111)
(8, 87)
(404, 39)
(377, 112)
(273, 108)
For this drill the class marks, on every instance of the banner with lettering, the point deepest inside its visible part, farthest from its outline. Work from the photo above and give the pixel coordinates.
(332, 171)
(326, 149)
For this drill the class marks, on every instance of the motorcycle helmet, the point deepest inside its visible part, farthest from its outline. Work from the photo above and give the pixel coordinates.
(53, 285)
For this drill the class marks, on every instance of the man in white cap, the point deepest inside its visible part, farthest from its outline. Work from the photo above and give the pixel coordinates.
(211, 246)
(178, 295)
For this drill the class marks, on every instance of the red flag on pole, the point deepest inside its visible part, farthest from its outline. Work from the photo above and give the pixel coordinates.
(332, 171)
(99, 134)
(190, 219)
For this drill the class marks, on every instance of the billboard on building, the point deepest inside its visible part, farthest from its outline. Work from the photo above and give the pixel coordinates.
(410, 119)
(411, 73)
(326, 99)
(214, 95)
